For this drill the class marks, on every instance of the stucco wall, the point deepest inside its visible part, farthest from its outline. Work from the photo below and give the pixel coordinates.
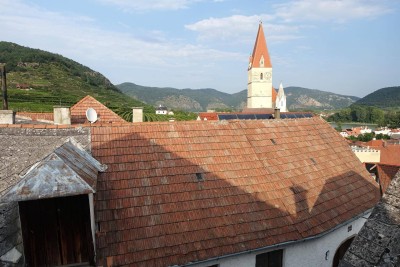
(368, 156)
(302, 254)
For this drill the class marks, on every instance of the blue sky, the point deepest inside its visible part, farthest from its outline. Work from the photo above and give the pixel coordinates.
(349, 47)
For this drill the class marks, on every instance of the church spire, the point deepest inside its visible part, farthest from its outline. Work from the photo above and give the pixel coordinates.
(260, 56)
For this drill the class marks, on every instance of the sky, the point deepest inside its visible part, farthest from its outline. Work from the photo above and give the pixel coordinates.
(349, 47)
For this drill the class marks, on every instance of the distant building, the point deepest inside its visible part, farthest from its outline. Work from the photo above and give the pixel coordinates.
(280, 101)
(162, 110)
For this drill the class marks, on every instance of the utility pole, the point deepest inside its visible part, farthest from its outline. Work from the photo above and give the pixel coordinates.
(4, 86)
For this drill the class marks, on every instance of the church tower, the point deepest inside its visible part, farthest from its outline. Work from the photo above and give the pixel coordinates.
(259, 86)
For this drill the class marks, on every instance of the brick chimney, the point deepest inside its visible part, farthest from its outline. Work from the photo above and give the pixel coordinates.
(62, 115)
(137, 114)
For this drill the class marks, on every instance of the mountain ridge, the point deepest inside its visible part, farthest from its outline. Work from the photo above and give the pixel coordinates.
(209, 99)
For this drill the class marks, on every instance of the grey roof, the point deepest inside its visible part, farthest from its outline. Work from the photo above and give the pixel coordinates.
(67, 171)
(378, 242)
(22, 148)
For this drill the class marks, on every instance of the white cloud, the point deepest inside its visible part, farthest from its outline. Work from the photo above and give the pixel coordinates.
(286, 21)
(141, 5)
(330, 10)
(79, 39)
(239, 28)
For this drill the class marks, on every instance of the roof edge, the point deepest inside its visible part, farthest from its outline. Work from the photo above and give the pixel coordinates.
(287, 243)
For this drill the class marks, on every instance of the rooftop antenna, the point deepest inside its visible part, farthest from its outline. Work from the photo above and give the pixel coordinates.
(91, 115)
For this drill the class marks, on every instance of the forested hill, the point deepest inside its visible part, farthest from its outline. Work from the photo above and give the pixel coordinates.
(388, 97)
(37, 80)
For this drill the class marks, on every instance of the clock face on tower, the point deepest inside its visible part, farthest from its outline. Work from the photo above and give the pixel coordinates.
(268, 75)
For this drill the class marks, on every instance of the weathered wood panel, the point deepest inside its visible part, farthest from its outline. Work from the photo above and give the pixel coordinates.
(56, 231)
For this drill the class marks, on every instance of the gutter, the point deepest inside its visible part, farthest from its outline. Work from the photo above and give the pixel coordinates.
(280, 244)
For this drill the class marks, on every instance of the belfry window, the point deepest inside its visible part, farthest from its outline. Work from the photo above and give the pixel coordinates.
(261, 76)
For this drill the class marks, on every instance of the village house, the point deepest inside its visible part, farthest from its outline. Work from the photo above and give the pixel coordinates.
(162, 110)
(381, 158)
(217, 193)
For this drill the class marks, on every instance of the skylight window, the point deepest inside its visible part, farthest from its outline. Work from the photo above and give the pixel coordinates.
(199, 176)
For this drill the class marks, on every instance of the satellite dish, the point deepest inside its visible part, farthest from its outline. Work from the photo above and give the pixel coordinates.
(91, 115)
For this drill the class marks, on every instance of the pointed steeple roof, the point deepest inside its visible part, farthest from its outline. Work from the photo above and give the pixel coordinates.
(260, 50)
(281, 92)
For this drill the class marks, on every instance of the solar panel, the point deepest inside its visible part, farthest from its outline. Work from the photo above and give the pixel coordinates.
(246, 116)
(227, 116)
(308, 115)
(263, 116)
(283, 116)
(291, 116)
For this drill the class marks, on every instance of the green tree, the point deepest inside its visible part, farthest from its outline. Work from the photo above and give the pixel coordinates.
(338, 126)
(377, 116)
(359, 113)
(392, 119)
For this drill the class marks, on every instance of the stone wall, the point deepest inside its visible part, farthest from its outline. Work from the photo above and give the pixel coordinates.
(11, 247)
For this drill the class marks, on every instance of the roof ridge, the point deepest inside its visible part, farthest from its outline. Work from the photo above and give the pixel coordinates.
(84, 99)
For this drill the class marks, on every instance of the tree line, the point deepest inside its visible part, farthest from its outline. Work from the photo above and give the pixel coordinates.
(367, 114)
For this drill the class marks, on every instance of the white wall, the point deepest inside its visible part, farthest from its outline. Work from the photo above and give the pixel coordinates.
(302, 254)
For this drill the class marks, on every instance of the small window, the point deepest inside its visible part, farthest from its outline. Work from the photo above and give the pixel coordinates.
(261, 76)
(270, 259)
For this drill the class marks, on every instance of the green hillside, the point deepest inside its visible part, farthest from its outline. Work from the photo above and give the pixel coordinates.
(388, 97)
(49, 79)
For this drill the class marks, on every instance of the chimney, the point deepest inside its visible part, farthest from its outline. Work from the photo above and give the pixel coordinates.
(277, 113)
(137, 114)
(62, 115)
(7, 117)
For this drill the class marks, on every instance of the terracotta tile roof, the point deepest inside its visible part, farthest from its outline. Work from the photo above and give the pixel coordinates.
(386, 174)
(208, 116)
(375, 143)
(78, 111)
(260, 49)
(274, 95)
(182, 192)
(390, 155)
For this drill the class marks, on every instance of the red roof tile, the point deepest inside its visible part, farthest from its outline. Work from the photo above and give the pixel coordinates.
(386, 173)
(78, 111)
(183, 192)
(208, 116)
(390, 155)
